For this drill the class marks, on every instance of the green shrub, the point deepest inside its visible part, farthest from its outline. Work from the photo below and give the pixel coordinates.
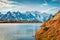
(45, 28)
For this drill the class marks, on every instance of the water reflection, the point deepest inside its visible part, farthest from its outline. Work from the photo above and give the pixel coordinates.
(22, 31)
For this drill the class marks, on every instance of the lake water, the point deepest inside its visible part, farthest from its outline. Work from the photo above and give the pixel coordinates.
(18, 31)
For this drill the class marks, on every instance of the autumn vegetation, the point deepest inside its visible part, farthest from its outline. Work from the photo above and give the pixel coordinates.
(50, 30)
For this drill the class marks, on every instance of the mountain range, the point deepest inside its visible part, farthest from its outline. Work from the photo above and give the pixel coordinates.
(25, 16)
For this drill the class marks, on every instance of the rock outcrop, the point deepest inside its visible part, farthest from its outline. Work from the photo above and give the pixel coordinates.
(50, 30)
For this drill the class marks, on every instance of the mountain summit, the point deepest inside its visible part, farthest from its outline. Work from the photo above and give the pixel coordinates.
(42, 17)
(50, 30)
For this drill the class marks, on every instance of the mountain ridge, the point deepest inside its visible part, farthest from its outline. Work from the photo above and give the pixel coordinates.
(26, 16)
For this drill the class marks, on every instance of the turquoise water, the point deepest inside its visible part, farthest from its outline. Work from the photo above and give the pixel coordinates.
(19, 31)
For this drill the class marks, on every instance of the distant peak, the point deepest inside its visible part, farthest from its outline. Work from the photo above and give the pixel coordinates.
(56, 16)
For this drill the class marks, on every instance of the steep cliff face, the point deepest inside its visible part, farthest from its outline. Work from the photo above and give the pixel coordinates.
(50, 30)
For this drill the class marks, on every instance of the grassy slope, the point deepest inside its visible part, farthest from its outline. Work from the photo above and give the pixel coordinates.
(50, 30)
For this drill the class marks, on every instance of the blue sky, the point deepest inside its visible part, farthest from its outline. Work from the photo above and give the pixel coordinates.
(48, 6)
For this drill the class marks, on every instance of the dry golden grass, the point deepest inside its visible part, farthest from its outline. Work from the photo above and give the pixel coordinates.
(50, 30)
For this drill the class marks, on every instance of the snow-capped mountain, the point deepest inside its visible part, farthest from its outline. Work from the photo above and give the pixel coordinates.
(1, 15)
(45, 16)
(25, 16)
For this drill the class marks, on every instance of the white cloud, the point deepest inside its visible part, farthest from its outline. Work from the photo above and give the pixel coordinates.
(52, 10)
(45, 1)
(24, 8)
(21, 8)
(47, 10)
(7, 6)
(54, 0)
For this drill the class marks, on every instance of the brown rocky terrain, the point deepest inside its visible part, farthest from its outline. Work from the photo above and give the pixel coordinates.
(50, 30)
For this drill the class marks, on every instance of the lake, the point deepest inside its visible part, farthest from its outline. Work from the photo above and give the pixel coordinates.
(18, 31)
